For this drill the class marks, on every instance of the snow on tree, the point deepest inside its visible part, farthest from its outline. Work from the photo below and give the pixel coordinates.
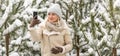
(95, 26)
(94, 21)
(15, 17)
(16, 24)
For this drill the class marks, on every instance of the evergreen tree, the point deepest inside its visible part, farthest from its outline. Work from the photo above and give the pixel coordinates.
(94, 25)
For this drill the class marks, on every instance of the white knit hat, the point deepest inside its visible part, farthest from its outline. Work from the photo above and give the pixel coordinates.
(55, 8)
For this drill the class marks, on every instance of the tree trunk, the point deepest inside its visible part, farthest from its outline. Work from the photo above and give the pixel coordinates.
(78, 43)
(78, 51)
(7, 36)
(114, 52)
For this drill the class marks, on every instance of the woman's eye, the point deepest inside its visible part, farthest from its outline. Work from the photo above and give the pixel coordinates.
(48, 13)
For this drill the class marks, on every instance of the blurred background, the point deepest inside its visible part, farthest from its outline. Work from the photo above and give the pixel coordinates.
(95, 26)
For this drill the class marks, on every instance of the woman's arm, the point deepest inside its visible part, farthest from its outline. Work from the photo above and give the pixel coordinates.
(36, 34)
(68, 42)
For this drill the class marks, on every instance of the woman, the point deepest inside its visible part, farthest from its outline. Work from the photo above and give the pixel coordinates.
(53, 33)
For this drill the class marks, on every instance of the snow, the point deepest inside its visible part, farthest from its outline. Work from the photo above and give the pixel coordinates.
(14, 1)
(90, 50)
(30, 44)
(107, 17)
(65, 7)
(71, 17)
(101, 9)
(27, 36)
(17, 23)
(86, 1)
(27, 14)
(102, 23)
(98, 33)
(118, 51)
(76, 0)
(103, 30)
(0, 47)
(3, 49)
(27, 3)
(117, 4)
(105, 3)
(12, 42)
(18, 40)
(93, 10)
(67, 1)
(106, 48)
(86, 20)
(100, 43)
(38, 1)
(89, 37)
(14, 54)
(6, 13)
(4, 17)
(36, 46)
(96, 54)
(3, 6)
(115, 33)
(54, 0)
(43, 9)
(17, 15)
(0, 50)
(28, 10)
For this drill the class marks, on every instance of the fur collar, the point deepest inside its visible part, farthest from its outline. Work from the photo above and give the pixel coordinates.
(50, 33)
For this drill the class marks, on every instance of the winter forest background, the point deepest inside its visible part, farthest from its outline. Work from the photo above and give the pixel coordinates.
(95, 26)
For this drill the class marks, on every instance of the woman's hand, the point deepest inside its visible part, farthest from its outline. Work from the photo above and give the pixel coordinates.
(56, 50)
(34, 22)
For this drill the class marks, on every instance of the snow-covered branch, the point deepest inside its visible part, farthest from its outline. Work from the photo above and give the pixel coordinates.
(16, 24)
(4, 17)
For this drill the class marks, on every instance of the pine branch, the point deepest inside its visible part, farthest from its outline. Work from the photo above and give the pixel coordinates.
(13, 27)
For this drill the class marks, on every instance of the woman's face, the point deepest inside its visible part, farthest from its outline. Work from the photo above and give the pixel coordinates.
(52, 17)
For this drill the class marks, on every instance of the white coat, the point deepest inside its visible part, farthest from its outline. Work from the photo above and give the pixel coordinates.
(51, 39)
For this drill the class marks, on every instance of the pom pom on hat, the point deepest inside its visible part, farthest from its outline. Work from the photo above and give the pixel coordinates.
(55, 8)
